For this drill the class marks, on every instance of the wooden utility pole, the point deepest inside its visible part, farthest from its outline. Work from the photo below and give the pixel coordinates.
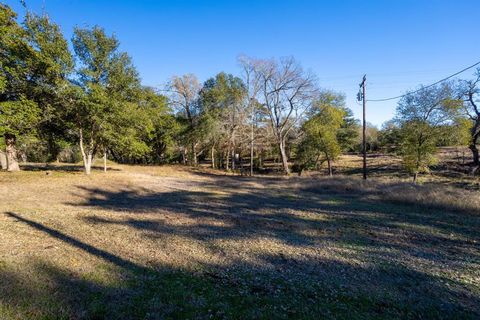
(252, 138)
(361, 96)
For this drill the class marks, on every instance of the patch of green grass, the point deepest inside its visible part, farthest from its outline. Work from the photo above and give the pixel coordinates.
(183, 295)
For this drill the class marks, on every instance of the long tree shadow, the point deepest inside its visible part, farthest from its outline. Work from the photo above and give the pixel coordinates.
(281, 287)
(240, 215)
(384, 232)
(273, 214)
(78, 244)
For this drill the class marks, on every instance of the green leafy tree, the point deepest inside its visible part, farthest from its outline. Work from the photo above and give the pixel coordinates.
(422, 117)
(163, 142)
(19, 114)
(456, 133)
(156, 127)
(371, 137)
(320, 141)
(106, 116)
(389, 137)
(348, 133)
(52, 65)
(222, 112)
(418, 146)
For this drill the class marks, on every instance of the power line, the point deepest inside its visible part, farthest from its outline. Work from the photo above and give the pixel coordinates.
(383, 74)
(423, 88)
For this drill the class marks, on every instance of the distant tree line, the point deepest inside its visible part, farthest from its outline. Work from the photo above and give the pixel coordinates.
(58, 104)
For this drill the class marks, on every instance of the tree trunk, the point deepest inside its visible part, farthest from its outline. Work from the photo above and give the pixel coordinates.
(283, 155)
(194, 155)
(11, 153)
(300, 170)
(105, 160)
(329, 164)
(251, 161)
(88, 163)
(87, 156)
(232, 150)
(474, 136)
(474, 149)
(415, 177)
(227, 162)
(3, 160)
(184, 156)
(252, 138)
(251, 154)
(213, 156)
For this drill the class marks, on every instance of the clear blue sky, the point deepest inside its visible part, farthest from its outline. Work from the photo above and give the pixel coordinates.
(398, 44)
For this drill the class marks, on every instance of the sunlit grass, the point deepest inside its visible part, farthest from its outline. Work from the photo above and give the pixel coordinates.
(154, 243)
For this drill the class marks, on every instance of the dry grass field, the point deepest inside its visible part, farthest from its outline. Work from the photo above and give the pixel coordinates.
(175, 243)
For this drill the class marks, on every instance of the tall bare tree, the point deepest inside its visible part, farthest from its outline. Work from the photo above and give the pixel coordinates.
(469, 92)
(184, 96)
(253, 83)
(286, 91)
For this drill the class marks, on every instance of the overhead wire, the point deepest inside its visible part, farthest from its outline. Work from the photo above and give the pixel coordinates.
(426, 87)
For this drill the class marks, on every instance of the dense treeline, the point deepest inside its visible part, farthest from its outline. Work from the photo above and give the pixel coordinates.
(74, 102)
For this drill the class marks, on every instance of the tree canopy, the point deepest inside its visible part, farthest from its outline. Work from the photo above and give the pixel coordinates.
(90, 102)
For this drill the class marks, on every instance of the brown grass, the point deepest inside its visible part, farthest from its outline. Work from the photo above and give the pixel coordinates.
(402, 191)
(170, 242)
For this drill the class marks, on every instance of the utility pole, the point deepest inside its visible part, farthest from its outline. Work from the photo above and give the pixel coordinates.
(361, 97)
(252, 137)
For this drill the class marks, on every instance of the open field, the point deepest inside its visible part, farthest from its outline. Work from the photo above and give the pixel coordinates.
(176, 243)
(177, 160)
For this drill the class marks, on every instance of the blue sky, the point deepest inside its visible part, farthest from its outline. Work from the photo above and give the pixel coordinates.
(398, 44)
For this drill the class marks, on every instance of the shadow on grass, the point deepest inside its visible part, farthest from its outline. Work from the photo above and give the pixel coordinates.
(386, 238)
(337, 290)
(61, 167)
(77, 243)
(246, 211)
